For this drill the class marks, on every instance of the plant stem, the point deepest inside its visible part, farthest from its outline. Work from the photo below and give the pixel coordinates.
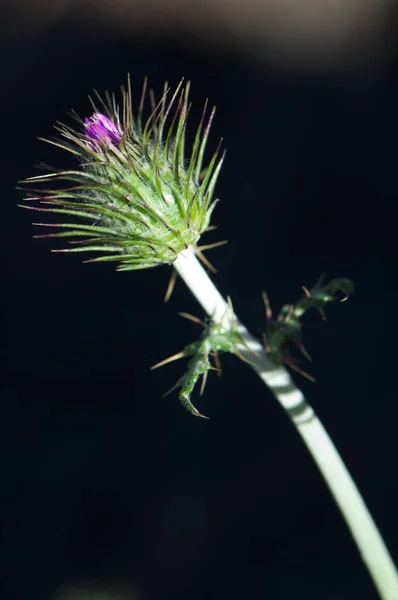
(347, 496)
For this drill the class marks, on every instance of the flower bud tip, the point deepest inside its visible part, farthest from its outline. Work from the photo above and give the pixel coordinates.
(101, 131)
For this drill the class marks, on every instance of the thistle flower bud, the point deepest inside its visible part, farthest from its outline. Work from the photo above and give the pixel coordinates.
(101, 131)
(135, 198)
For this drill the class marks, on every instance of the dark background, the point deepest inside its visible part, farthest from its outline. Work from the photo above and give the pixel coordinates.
(105, 484)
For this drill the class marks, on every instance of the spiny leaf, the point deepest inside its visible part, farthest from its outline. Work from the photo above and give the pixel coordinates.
(214, 339)
(287, 326)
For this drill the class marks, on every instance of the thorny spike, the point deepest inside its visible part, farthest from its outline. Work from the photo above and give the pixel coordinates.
(190, 407)
(207, 178)
(203, 384)
(166, 114)
(217, 362)
(196, 148)
(129, 119)
(94, 107)
(214, 177)
(180, 140)
(170, 287)
(294, 367)
(266, 343)
(168, 360)
(268, 311)
(193, 319)
(175, 387)
(304, 351)
(288, 314)
(231, 308)
(152, 100)
(105, 105)
(249, 350)
(179, 145)
(151, 124)
(141, 106)
(171, 135)
(211, 246)
(243, 358)
(59, 145)
(159, 140)
(202, 149)
(205, 261)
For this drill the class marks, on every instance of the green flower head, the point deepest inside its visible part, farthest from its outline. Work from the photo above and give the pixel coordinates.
(135, 197)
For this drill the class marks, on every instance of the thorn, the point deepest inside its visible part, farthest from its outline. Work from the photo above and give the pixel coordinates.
(206, 262)
(307, 292)
(266, 344)
(190, 407)
(168, 360)
(193, 319)
(231, 308)
(288, 314)
(170, 390)
(267, 305)
(202, 174)
(152, 100)
(243, 358)
(249, 350)
(303, 350)
(170, 287)
(294, 367)
(210, 246)
(347, 295)
(198, 414)
(203, 384)
(217, 362)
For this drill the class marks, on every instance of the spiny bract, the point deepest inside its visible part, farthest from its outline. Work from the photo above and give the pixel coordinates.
(137, 199)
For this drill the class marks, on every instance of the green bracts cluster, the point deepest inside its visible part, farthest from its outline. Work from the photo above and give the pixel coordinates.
(136, 198)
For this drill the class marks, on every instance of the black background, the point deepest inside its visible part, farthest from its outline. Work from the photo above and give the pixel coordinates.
(102, 479)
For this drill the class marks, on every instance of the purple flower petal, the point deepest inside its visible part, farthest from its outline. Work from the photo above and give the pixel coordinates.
(101, 131)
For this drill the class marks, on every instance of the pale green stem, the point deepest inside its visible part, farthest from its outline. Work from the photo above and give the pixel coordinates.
(347, 496)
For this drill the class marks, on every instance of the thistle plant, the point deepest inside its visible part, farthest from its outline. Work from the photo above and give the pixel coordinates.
(137, 198)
